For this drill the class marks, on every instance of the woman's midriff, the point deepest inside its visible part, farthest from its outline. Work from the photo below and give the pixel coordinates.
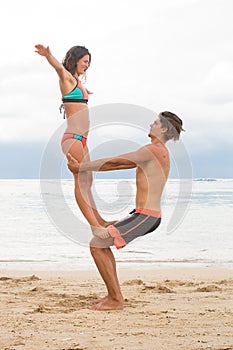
(77, 115)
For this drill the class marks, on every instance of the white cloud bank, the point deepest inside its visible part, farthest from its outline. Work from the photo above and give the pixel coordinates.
(163, 55)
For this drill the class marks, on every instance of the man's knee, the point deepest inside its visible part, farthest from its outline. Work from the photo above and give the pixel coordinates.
(100, 232)
(93, 250)
(96, 244)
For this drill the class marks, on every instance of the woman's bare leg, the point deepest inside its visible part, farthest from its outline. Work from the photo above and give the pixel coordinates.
(99, 218)
(82, 189)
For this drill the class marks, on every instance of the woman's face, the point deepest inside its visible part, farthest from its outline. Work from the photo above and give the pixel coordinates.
(83, 64)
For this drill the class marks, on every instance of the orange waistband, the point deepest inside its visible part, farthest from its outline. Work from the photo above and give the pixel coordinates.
(149, 212)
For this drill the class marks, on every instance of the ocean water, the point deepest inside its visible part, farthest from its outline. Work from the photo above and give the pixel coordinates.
(41, 227)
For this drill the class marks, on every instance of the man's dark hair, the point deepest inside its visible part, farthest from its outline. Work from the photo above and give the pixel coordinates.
(173, 124)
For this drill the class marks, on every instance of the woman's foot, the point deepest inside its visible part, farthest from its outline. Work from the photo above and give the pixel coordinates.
(108, 223)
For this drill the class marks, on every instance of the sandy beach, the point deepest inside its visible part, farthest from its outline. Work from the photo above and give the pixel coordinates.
(173, 308)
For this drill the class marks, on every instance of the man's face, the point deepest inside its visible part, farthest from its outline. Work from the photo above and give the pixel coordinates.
(156, 129)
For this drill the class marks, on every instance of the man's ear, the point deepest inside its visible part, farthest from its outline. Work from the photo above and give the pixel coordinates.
(164, 130)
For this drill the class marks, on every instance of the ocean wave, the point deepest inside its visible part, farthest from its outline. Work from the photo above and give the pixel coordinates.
(206, 179)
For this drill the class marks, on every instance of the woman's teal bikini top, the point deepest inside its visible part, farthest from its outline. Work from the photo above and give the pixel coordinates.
(78, 94)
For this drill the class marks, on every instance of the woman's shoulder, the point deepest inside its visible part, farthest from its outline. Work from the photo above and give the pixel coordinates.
(67, 77)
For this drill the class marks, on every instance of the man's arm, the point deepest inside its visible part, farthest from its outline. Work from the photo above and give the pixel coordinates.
(124, 161)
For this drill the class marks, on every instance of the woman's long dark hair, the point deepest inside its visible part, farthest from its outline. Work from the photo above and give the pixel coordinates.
(73, 56)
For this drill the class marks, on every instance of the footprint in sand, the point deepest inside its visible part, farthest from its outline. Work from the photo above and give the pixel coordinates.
(159, 288)
(209, 288)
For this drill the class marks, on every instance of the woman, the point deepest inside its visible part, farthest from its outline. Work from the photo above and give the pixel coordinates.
(75, 98)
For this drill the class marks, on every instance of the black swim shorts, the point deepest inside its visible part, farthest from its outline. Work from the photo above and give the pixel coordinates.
(139, 223)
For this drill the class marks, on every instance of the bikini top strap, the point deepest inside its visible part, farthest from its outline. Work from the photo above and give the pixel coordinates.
(62, 108)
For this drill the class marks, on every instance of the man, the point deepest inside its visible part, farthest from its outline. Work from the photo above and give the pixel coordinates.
(152, 165)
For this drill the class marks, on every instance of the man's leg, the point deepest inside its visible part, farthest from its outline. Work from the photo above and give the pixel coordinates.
(106, 264)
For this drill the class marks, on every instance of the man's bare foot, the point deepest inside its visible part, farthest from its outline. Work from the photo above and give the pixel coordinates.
(100, 300)
(108, 303)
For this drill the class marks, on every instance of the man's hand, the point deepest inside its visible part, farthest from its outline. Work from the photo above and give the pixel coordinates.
(73, 164)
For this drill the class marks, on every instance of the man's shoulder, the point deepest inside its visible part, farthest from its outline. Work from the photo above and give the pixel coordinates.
(156, 146)
(157, 149)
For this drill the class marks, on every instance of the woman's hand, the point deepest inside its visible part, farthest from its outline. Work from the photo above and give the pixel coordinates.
(42, 50)
(88, 91)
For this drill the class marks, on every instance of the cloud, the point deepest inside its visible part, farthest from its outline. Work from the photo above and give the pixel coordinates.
(30, 100)
(118, 134)
(217, 86)
(163, 55)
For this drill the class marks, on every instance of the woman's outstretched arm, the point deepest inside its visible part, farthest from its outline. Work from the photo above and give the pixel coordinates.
(45, 52)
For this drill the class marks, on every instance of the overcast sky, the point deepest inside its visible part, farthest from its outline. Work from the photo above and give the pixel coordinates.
(172, 55)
